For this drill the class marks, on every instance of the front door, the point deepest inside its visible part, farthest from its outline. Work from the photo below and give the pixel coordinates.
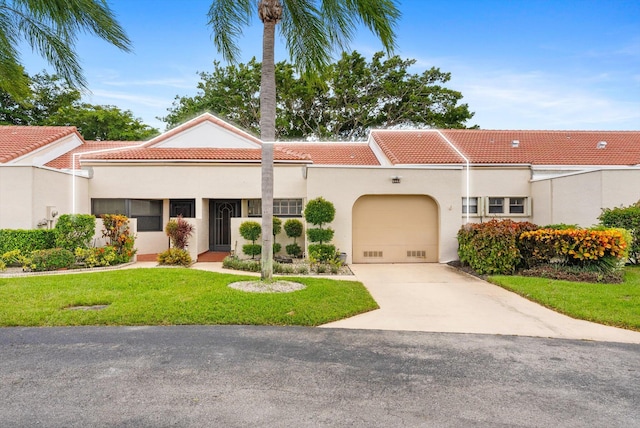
(220, 214)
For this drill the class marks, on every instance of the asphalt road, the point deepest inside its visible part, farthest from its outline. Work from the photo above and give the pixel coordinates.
(238, 376)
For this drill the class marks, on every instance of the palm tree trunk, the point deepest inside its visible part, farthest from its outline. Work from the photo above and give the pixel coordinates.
(268, 136)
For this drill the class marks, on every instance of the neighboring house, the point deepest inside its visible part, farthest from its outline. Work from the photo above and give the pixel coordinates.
(400, 197)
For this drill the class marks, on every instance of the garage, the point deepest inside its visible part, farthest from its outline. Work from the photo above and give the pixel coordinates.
(395, 229)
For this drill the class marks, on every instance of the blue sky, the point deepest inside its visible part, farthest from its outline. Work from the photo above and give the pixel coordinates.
(536, 64)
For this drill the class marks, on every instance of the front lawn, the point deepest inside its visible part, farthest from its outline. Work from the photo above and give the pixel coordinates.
(173, 296)
(611, 304)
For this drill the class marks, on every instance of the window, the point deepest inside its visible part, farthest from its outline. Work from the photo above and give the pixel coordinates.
(148, 212)
(473, 206)
(516, 205)
(281, 207)
(184, 207)
(496, 205)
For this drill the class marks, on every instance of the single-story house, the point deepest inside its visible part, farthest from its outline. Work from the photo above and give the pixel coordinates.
(401, 196)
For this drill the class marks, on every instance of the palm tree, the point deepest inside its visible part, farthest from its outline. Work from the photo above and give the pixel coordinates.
(51, 28)
(313, 31)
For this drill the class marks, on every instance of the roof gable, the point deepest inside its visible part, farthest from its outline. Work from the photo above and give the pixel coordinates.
(205, 131)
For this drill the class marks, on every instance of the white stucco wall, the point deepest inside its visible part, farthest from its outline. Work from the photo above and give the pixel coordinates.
(187, 181)
(579, 198)
(343, 186)
(27, 191)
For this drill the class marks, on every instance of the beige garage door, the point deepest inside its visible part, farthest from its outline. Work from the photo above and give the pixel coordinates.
(395, 229)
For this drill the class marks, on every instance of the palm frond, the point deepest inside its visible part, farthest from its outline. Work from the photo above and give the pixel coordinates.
(227, 19)
(51, 28)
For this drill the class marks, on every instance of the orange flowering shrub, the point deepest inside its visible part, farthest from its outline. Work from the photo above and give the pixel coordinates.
(116, 230)
(572, 246)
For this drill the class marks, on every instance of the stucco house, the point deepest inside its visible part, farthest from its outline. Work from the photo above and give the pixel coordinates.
(400, 196)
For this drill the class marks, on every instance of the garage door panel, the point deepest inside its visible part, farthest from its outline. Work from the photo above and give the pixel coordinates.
(395, 229)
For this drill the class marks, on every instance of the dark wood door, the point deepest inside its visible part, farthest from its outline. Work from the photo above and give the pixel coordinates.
(220, 214)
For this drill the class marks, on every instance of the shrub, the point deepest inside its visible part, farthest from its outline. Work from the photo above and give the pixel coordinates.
(250, 230)
(3, 265)
(320, 235)
(322, 252)
(293, 228)
(12, 258)
(252, 249)
(75, 231)
(579, 247)
(319, 211)
(51, 259)
(97, 256)
(179, 231)
(116, 230)
(276, 248)
(26, 240)
(232, 262)
(283, 268)
(492, 247)
(627, 218)
(277, 228)
(175, 256)
(302, 269)
(294, 250)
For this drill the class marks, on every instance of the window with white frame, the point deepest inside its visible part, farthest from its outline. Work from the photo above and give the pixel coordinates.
(472, 207)
(517, 205)
(507, 206)
(495, 206)
(281, 207)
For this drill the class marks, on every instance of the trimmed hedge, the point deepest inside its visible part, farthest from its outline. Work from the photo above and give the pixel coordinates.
(51, 259)
(75, 231)
(492, 247)
(26, 240)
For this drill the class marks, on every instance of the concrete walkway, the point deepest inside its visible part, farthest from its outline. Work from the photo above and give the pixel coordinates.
(438, 298)
(433, 297)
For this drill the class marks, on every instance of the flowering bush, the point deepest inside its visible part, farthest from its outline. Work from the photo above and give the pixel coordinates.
(573, 246)
(92, 257)
(116, 230)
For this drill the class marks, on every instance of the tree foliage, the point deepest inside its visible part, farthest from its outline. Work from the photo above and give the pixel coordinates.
(102, 122)
(342, 102)
(54, 102)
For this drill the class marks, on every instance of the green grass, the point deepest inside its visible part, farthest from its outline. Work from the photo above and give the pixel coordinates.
(171, 297)
(610, 304)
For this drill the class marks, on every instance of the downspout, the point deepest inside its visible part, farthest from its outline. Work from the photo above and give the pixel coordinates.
(466, 161)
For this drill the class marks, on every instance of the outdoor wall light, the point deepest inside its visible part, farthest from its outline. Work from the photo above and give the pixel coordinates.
(395, 179)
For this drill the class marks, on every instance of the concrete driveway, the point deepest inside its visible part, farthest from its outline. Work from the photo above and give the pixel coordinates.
(434, 297)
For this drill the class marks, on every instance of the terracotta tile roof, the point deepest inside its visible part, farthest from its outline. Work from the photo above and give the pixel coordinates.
(65, 161)
(16, 141)
(487, 147)
(334, 153)
(199, 154)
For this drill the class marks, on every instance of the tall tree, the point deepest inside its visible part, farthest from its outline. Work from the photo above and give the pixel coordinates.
(351, 97)
(313, 30)
(51, 28)
(97, 122)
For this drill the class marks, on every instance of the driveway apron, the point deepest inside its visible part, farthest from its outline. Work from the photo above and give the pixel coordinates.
(438, 298)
